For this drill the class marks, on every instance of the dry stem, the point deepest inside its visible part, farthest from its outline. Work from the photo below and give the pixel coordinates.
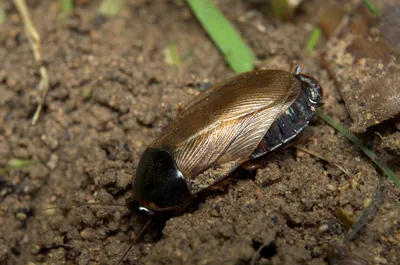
(34, 43)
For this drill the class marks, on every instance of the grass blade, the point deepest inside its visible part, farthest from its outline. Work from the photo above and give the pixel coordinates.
(17, 163)
(280, 9)
(238, 55)
(391, 175)
(66, 6)
(21, 163)
(2, 13)
(313, 40)
(111, 8)
(372, 7)
(171, 55)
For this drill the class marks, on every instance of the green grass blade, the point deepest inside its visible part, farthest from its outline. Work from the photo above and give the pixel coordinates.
(372, 7)
(391, 175)
(20, 163)
(280, 8)
(171, 55)
(313, 40)
(66, 6)
(238, 55)
(17, 163)
(111, 8)
(2, 13)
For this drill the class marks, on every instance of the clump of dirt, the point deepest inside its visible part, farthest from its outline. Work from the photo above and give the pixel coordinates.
(392, 143)
(111, 95)
(369, 89)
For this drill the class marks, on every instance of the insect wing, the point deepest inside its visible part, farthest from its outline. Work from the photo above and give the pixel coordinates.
(227, 122)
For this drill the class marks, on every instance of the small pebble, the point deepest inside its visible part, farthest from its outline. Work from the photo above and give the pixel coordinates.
(85, 234)
(330, 187)
(35, 249)
(323, 228)
(52, 163)
(367, 202)
(380, 260)
(300, 153)
(21, 216)
(214, 213)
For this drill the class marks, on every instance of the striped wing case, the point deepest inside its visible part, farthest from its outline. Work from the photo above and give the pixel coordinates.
(228, 121)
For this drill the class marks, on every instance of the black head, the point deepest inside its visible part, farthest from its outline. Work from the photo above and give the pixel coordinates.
(159, 186)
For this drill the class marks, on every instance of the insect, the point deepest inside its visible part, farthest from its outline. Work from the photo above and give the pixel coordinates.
(232, 122)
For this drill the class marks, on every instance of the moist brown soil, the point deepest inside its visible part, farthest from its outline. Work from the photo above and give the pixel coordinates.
(112, 93)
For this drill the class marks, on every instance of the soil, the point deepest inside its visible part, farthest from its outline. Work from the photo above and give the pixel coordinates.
(112, 93)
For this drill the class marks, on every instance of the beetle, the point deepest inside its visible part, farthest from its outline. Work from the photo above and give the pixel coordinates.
(234, 121)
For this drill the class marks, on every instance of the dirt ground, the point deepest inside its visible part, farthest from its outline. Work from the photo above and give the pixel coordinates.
(112, 93)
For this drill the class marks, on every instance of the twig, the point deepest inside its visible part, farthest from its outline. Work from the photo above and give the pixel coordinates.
(34, 43)
(322, 158)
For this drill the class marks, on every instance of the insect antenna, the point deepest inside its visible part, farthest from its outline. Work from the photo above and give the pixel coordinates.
(295, 67)
(83, 204)
(141, 233)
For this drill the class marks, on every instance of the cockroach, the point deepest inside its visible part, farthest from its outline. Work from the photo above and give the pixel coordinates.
(232, 122)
